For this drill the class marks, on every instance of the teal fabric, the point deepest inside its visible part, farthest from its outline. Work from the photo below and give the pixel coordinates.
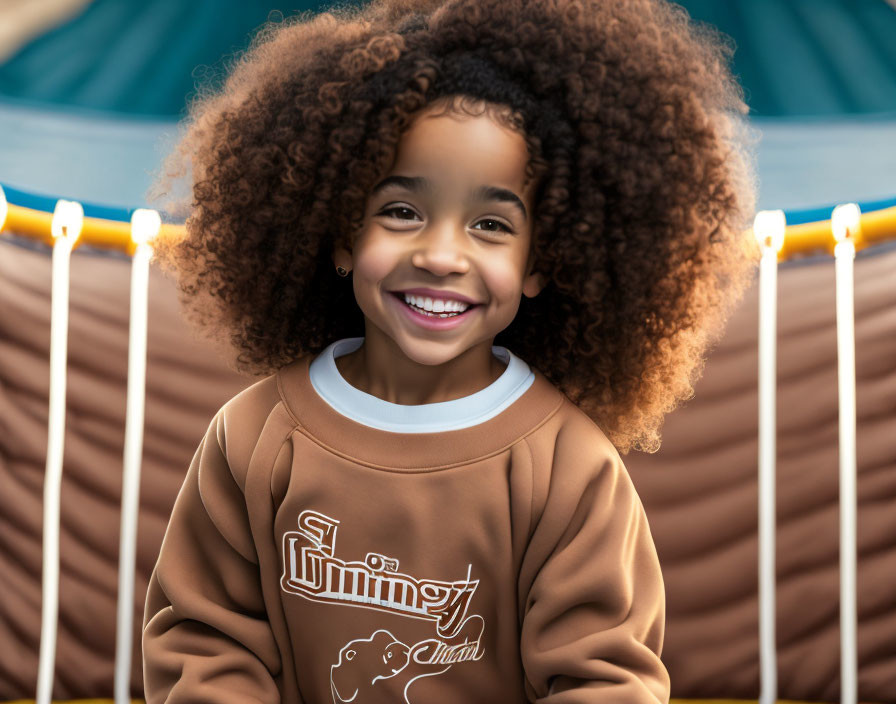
(809, 57)
(135, 56)
(793, 57)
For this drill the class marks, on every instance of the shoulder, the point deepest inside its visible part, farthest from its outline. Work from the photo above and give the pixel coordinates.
(571, 433)
(255, 401)
(241, 421)
(572, 457)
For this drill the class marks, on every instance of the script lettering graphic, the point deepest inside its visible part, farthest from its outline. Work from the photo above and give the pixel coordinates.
(381, 661)
(312, 570)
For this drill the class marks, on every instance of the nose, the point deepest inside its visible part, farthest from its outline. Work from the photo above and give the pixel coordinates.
(442, 249)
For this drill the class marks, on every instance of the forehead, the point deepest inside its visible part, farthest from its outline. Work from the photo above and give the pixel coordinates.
(459, 150)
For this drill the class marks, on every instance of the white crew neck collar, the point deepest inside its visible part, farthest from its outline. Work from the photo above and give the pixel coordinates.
(372, 411)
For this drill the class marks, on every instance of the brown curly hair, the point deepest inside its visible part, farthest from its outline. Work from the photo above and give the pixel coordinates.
(641, 217)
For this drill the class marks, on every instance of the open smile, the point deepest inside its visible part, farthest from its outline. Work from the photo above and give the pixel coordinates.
(432, 321)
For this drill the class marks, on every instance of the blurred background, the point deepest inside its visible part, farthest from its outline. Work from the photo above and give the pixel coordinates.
(91, 92)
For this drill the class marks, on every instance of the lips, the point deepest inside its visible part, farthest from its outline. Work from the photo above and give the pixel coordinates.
(400, 296)
(436, 294)
(432, 322)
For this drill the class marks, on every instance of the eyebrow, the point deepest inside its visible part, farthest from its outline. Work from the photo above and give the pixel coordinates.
(418, 184)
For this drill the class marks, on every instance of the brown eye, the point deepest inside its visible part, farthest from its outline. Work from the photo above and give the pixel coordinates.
(395, 208)
(499, 224)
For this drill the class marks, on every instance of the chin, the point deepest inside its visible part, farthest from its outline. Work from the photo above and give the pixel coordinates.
(431, 352)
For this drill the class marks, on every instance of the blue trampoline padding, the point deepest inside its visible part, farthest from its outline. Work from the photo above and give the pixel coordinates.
(798, 217)
(36, 201)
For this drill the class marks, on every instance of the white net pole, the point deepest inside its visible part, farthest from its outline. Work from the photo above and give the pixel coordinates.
(144, 225)
(768, 228)
(845, 222)
(66, 227)
(4, 208)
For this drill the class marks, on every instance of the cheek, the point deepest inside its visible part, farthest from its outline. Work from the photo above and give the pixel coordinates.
(503, 279)
(374, 259)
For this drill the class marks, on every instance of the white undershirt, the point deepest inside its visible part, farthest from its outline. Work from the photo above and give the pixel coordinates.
(369, 410)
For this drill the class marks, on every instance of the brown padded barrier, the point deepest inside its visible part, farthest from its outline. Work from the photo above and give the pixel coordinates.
(699, 490)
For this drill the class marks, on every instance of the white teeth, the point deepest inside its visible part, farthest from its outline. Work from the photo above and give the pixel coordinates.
(435, 306)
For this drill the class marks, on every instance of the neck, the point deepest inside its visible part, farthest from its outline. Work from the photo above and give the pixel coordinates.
(381, 369)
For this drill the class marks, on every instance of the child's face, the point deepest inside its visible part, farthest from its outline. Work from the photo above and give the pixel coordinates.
(440, 235)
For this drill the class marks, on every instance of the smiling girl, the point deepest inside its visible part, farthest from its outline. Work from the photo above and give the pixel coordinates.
(475, 249)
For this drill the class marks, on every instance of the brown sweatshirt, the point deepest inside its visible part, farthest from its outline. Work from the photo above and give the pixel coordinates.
(328, 546)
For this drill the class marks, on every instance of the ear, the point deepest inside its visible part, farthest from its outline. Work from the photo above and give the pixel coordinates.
(532, 283)
(342, 257)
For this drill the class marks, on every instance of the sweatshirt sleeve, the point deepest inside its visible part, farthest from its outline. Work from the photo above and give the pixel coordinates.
(594, 612)
(206, 637)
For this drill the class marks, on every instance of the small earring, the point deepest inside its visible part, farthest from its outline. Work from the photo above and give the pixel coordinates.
(341, 270)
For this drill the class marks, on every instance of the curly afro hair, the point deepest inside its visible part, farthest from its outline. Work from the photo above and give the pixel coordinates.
(641, 215)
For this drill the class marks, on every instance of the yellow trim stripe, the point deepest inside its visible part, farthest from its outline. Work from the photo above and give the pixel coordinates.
(876, 226)
(98, 232)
